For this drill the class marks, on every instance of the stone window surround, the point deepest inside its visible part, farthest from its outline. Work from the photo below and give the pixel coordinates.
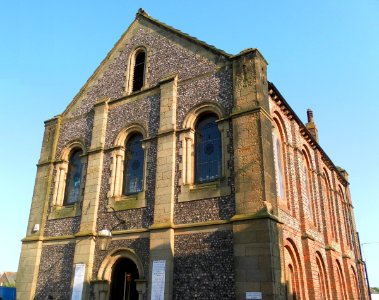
(189, 189)
(129, 73)
(116, 199)
(58, 210)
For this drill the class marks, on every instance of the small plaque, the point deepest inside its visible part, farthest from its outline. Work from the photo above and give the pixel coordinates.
(253, 295)
(158, 280)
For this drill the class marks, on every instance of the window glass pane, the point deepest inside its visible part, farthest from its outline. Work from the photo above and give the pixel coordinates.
(208, 150)
(134, 163)
(73, 179)
(139, 69)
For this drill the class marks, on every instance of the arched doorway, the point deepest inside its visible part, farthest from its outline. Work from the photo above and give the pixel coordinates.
(123, 286)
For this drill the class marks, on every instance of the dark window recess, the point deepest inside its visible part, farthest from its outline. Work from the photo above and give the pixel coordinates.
(134, 163)
(73, 179)
(139, 70)
(208, 150)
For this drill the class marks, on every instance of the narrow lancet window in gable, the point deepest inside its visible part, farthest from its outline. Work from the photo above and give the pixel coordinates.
(139, 71)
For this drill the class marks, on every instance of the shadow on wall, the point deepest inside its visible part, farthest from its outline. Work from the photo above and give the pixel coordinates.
(55, 272)
(203, 266)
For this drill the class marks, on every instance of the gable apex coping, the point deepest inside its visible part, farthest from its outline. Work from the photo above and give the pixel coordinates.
(142, 13)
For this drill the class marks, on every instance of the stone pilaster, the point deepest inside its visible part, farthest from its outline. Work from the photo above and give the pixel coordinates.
(255, 229)
(85, 242)
(162, 234)
(32, 244)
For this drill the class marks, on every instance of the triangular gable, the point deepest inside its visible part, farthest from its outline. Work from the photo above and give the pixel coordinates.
(98, 87)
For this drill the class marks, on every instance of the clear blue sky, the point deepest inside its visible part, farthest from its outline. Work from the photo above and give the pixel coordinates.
(322, 54)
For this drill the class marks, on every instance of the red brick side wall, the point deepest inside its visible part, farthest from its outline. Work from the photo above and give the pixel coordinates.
(321, 253)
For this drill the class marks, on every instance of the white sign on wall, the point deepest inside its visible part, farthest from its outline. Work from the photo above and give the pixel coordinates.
(158, 280)
(77, 288)
(254, 295)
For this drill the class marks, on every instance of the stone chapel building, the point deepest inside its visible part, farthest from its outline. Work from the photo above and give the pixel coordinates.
(180, 172)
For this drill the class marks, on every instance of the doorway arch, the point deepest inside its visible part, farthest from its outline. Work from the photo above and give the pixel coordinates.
(120, 268)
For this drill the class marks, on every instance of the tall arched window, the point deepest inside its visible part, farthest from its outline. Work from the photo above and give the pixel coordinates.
(308, 189)
(341, 289)
(331, 208)
(207, 149)
(139, 70)
(74, 178)
(279, 165)
(133, 165)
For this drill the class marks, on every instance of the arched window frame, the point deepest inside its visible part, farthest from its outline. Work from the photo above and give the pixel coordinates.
(324, 287)
(342, 291)
(117, 200)
(345, 208)
(308, 181)
(279, 138)
(190, 190)
(296, 275)
(328, 194)
(58, 208)
(129, 74)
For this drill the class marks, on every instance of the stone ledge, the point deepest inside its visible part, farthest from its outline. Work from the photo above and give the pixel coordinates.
(258, 215)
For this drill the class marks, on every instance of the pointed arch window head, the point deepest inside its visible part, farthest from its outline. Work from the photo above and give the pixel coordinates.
(139, 70)
(133, 165)
(74, 178)
(207, 149)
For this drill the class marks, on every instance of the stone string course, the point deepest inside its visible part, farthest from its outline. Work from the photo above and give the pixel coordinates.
(203, 266)
(55, 272)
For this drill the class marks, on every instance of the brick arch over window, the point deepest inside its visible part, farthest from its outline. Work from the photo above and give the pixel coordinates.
(69, 167)
(345, 216)
(280, 154)
(327, 192)
(341, 286)
(323, 283)
(293, 271)
(136, 75)
(354, 280)
(120, 168)
(189, 142)
(308, 185)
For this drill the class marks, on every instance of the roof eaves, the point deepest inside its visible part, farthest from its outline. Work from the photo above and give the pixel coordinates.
(271, 86)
